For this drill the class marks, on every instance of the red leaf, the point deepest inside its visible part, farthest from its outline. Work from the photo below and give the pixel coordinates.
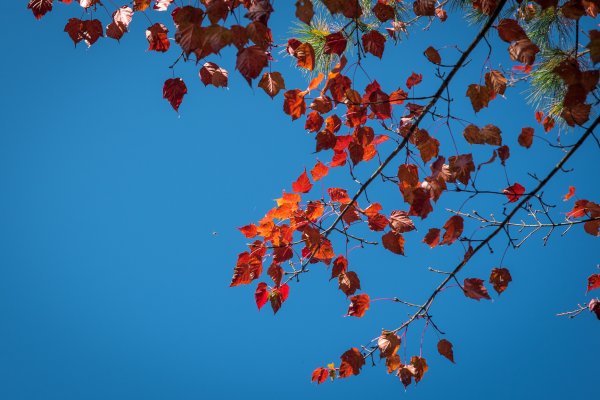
(374, 43)
(500, 278)
(319, 375)
(394, 242)
(340, 265)
(211, 73)
(249, 231)
(272, 83)
(473, 288)
(359, 304)
(432, 238)
(157, 38)
(445, 349)
(413, 80)
(339, 195)
(335, 43)
(594, 307)
(352, 362)
(514, 192)
(173, 90)
(39, 7)
(251, 61)
(261, 295)
(570, 193)
(454, 228)
(278, 296)
(294, 104)
(593, 282)
(348, 282)
(302, 184)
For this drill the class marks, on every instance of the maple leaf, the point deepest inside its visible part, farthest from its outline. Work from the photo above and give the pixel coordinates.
(445, 349)
(359, 304)
(432, 238)
(305, 54)
(413, 80)
(39, 8)
(500, 278)
(261, 295)
(272, 83)
(388, 344)
(305, 11)
(212, 74)
(278, 296)
(259, 10)
(251, 61)
(352, 362)
(335, 43)
(526, 137)
(461, 167)
(514, 192)
(339, 195)
(374, 43)
(523, 51)
(121, 19)
(348, 282)
(394, 242)
(319, 375)
(433, 55)
(593, 282)
(454, 228)
(473, 288)
(495, 82)
(173, 90)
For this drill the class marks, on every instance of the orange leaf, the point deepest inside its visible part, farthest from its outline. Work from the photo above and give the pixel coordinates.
(319, 375)
(249, 231)
(271, 83)
(348, 282)
(359, 304)
(570, 193)
(388, 344)
(319, 171)
(315, 82)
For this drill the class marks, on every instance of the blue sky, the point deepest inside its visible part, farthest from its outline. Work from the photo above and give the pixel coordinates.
(114, 285)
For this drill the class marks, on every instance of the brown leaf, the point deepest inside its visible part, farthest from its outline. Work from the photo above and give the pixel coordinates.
(424, 7)
(500, 278)
(335, 43)
(489, 134)
(305, 54)
(479, 95)
(510, 31)
(461, 167)
(445, 348)
(388, 344)
(304, 11)
(526, 137)
(294, 104)
(433, 55)
(523, 51)
(420, 367)
(271, 83)
(392, 363)
(473, 288)
(594, 46)
(495, 82)
(384, 12)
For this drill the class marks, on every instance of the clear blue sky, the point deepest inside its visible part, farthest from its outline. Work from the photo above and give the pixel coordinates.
(113, 285)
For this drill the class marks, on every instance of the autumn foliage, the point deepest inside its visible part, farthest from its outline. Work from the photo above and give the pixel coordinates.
(354, 120)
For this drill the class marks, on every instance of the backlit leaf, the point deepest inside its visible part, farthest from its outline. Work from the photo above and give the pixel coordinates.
(359, 304)
(500, 278)
(514, 192)
(474, 288)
